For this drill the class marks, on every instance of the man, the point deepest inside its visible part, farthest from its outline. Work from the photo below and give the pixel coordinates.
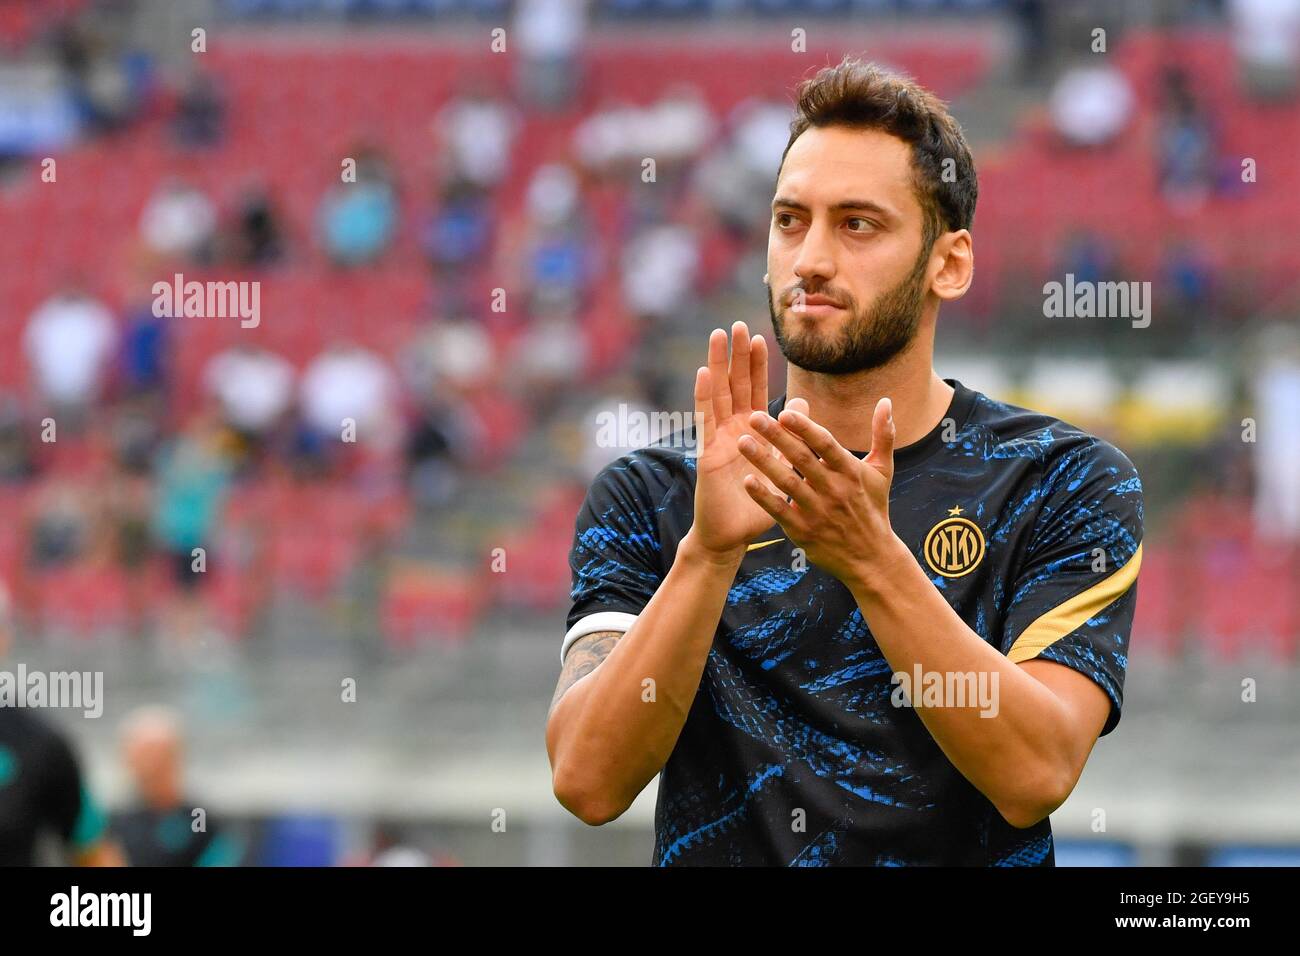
(763, 625)
(163, 828)
(42, 793)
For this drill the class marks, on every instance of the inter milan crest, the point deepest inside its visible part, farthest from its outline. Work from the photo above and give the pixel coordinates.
(955, 546)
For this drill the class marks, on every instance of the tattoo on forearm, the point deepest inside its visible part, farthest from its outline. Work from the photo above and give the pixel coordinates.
(583, 657)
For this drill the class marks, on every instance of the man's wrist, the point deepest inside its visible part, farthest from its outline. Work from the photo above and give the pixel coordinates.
(875, 572)
(693, 550)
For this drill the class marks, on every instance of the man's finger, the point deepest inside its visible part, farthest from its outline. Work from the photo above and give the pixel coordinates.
(739, 377)
(883, 431)
(772, 503)
(778, 472)
(758, 373)
(793, 449)
(818, 438)
(704, 409)
(719, 384)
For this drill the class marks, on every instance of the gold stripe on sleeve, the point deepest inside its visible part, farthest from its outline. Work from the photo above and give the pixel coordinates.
(1061, 620)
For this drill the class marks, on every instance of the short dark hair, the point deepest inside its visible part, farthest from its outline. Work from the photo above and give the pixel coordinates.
(864, 95)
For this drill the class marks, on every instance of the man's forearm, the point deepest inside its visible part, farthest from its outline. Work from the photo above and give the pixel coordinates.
(1018, 758)
(614, 729)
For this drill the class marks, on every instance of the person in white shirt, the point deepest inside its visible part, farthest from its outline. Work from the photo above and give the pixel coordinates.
(253, 386)
(1091, 105)
(348, 390)
(548, 35)
(178, 221)
(478, 130)
(68, 342)
(1266, 35)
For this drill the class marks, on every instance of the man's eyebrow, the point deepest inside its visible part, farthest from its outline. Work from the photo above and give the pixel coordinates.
(845, 204)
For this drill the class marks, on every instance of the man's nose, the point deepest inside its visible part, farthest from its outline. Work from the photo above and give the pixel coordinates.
(815, 260)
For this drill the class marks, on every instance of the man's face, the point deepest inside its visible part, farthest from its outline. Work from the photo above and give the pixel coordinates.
(846, 268)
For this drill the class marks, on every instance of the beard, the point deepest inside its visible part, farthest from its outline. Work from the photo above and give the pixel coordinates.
(868, 339)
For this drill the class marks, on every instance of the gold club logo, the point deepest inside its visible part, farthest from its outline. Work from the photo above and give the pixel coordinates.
(954, 546)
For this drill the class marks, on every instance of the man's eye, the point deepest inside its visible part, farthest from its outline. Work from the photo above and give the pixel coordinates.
(781, 219)
(863, 224)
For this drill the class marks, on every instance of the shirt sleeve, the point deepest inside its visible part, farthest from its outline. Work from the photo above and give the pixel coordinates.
(1073, 597)
(616, 558)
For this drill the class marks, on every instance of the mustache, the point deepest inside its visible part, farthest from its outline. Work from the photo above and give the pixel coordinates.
(788, 296)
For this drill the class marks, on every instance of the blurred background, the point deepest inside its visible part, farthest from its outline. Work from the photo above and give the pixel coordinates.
(499, 270)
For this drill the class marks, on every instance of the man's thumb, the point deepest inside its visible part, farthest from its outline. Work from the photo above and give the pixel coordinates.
(882, 438)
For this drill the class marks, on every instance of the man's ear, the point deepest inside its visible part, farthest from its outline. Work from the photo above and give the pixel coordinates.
(954, 277)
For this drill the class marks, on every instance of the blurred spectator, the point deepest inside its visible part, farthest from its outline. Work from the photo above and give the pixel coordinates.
(73, 49)
(254, 387)
(99, 79)
(478, 129)
(166, 826)
(1091, 105)
(660, 268)
(137, 426)
(42, 788)
(1185, 143)
(1189, 276)
(548, 360)
(15, 456)
(552, 195)
(128, 501)
(672, 131)
(200, 112)
(598, 449)
(389, 847)
(69, 340)
(144, 350)
(1276, 410)
(347, 382)
(560, 269)
(456, 353)
(439, 441)
(736, 178)
(606, 135)
(193, 476)
(257, 238)
(458, 234)
(1266, 34)
(1035, 40)
(548, 35)
(358, 219)
(61, 524)
(761, 130)
(557, 252)
(179, 221)
(1088, 256)
(677, 126)
(389, 852)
